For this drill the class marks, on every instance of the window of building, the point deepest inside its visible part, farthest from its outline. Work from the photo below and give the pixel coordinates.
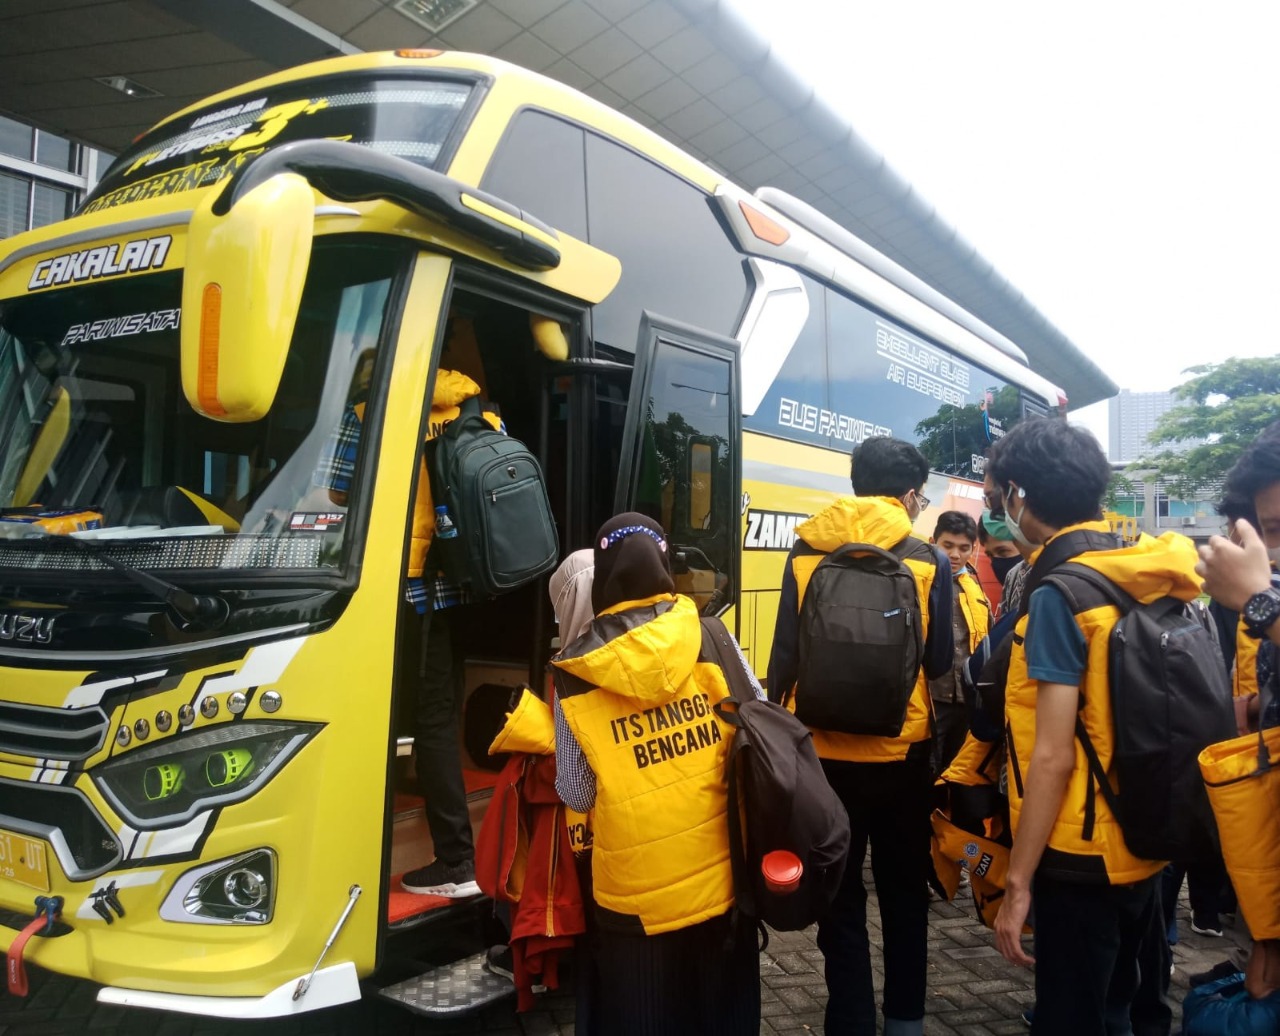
(15, 197)
(15, 138)
(49, 205)
(55, 151)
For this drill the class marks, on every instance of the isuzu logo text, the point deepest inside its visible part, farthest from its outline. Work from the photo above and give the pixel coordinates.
(26, 629)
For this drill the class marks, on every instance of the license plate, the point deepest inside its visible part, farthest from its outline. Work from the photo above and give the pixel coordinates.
(24, 860)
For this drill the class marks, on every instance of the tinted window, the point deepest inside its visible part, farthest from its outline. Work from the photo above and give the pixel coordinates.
(684, 477)
(539, 166)
(677, 260)
(408, 118)
(880, 379)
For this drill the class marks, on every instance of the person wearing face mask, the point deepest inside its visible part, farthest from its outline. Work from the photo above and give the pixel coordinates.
(998, 554)
(954, 535)
(885, 783)
(1095, 902)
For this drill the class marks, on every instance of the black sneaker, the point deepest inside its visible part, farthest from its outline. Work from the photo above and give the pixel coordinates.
(1208, 924)
(453, 881)
(497, 961)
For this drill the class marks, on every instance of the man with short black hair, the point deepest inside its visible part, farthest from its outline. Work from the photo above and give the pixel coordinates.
(954, 535)
(884, 782)
(1094, 900)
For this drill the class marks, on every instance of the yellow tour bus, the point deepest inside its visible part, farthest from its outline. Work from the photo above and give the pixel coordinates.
(202, 752)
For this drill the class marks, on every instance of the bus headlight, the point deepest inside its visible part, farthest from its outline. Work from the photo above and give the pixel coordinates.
(170, 782)
(240, 890)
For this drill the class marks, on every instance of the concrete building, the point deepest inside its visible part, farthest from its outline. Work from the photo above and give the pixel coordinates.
(1132, 417)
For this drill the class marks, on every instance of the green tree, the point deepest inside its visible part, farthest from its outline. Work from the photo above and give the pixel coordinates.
(1120, 493)
(952, 437)
(1224, 408)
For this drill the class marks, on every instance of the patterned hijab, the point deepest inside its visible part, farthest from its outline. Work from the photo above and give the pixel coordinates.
(633, 561)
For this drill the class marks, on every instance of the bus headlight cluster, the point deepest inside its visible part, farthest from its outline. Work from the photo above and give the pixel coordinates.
(170, 782)
(240, 890)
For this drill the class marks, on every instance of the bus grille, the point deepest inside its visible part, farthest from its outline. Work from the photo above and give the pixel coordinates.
(63, 816)
(45, 733)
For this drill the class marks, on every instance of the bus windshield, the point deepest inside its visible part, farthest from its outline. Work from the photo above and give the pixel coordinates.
(412, 118)
(97, 439)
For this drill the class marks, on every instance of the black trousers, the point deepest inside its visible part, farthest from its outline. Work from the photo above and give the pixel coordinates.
(1089, 941)
(432, 665)
(703, 980)
(888, 806)
(1206, 888)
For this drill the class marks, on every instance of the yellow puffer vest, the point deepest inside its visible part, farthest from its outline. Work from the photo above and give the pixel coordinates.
(1147, 570)
(451, 391)
(976, 609)
(882, 522)
(638, 697)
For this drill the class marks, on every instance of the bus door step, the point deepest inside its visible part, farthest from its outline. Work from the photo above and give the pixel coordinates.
(450, 990)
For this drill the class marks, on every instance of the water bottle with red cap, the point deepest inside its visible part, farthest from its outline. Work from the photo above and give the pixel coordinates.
(782, 871)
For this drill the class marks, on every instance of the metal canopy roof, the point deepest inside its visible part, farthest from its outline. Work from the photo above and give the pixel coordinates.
(690, 69)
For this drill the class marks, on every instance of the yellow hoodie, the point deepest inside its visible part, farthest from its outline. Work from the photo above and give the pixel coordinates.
(452, 389)
(881, 522)
(638, 696)
(1146, 570)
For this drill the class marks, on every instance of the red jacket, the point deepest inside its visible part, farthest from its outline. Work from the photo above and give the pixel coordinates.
(523, 853)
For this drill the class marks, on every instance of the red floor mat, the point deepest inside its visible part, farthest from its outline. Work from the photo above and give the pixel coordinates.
(402, 905)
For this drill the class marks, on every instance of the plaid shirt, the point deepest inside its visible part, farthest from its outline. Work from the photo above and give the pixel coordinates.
(335, 472)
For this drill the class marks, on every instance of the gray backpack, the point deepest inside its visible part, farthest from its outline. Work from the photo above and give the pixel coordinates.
(497, 499)
(861, 639)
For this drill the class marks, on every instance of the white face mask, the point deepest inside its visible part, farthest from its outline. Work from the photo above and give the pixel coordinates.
(1014, 524)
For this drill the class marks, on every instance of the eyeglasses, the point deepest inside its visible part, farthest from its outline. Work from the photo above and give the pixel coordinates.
(922, 500)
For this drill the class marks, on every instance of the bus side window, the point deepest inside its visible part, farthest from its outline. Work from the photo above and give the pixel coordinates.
(539, 166)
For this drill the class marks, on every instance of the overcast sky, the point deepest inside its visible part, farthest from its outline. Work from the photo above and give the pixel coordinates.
(1118, 161)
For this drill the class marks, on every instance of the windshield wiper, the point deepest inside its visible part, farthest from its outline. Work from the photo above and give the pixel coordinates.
(203, 611)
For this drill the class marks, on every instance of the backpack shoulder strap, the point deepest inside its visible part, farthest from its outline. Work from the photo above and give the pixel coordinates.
(914, 548)
(1086, 588)
(1060, 550)
(716, 646)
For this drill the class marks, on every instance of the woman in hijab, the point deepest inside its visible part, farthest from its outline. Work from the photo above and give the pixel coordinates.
(570, 589)
(638, 744)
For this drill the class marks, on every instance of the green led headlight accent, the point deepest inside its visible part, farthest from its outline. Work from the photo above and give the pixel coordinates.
(162, 780)
(228, 766)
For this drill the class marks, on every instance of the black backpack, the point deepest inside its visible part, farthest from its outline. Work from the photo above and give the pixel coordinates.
(497, 499)
(861, 639)
(779, 798)
(1170, 698)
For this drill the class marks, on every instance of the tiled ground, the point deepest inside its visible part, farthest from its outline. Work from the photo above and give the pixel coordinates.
(972, 990)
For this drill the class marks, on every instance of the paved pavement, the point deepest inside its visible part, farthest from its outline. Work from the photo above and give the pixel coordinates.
(972, 990)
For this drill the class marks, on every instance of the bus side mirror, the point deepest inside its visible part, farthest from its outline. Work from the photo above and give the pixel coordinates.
(245, 272)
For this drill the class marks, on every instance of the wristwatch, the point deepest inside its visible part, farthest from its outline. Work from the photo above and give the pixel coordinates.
(1260, 612)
